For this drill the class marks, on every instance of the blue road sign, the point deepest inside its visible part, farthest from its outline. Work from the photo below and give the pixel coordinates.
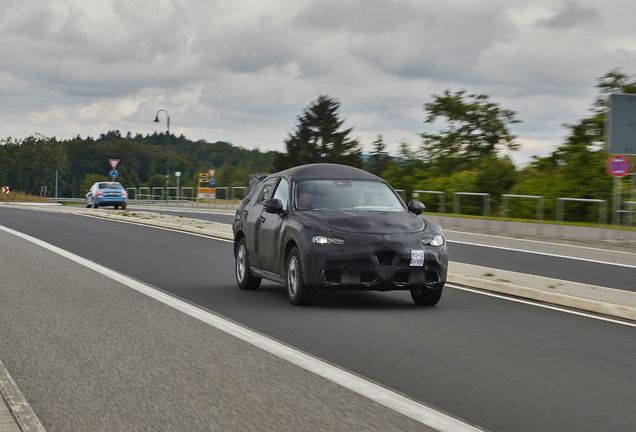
(212, 182)
(113, 173)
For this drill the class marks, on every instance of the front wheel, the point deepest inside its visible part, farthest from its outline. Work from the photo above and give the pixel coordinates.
(299, 293)
(426, 297)
(244, 277)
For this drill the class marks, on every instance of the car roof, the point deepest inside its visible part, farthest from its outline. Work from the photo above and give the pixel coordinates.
(326, 171)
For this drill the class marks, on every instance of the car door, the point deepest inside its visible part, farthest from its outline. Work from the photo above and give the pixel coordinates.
(252, 215)
(270, 230)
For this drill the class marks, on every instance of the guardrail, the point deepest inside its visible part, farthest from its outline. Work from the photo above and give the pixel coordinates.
(441, 206)
(602, 213)
(626, 212)
(504, 209)
(486, 197)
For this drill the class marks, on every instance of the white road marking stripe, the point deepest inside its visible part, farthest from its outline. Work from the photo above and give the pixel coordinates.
(541, 305)
(388, 398)
(538, 241)
(541, 253)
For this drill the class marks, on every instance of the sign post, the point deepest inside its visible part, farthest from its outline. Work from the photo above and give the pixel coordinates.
(178, 176)
(113, 173)
(618, 166)
(620, 129)
(205, 189)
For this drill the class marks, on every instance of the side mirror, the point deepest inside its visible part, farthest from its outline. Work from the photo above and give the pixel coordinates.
(416, 207)
(273, 206)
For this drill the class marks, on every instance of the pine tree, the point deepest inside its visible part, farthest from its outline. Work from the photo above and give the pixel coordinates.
(379, 159)
(318, 137)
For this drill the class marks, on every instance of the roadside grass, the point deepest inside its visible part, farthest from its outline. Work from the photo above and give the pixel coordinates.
(534, 221)
(21, 197)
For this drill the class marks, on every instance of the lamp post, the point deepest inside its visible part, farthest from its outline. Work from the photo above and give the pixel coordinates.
(156, 120)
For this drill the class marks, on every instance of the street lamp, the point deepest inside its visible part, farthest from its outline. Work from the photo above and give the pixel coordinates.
(156, 120)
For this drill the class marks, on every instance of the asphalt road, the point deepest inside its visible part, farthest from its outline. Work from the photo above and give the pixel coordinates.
(100, 356)
(541, 265)
(501, 365)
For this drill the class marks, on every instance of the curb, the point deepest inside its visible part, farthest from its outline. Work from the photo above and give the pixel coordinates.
(23, 414)
(579, 303)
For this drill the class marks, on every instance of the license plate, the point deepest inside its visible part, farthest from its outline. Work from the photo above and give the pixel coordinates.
(417, 258)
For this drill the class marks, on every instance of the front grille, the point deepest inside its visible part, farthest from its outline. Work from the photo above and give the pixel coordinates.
(333, 276)
(431, 276)
(385, 258)
(401, 277)
(367, 276)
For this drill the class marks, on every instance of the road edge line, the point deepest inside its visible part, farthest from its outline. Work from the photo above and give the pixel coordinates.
(389, 398)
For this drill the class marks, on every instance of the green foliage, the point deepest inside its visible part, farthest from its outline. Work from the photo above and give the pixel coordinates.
(379, 158)
(318, 137)
(29, 163)
(91, 179)
(474, 127)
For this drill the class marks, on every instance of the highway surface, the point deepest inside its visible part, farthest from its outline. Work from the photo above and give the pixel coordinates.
(462, 249)
(500, 365)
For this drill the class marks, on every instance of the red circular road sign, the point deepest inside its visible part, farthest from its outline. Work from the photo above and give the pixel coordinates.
(618, 166)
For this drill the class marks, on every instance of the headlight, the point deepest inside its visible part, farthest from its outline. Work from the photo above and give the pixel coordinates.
(326, 240)
(437, 240)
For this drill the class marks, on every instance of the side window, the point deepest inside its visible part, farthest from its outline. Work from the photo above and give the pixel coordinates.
(266, 192)
(282, 192)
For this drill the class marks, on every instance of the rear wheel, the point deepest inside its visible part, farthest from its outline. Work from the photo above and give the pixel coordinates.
(299, 293)
(426, 297)
(244, 277)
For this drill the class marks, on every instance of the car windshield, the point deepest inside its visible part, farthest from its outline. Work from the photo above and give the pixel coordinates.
(345, 195)
(110, 186)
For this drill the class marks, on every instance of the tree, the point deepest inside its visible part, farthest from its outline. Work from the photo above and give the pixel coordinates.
(379, 158)
(475, 127)
(318, 137)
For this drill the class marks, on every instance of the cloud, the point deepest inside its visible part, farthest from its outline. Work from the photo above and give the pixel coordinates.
(243, 71)
(572, 15)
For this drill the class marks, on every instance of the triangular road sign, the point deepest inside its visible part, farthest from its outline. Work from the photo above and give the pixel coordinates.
(113, 163)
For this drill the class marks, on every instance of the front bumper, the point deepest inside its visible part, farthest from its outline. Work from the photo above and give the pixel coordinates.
(375, 262)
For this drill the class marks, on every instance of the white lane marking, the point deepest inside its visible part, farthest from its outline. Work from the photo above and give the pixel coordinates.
(542, 305)
(540, 242)
(542, 253)
(209, 237)
(390, 399)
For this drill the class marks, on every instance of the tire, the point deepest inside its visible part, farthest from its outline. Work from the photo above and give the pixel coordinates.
(244, 277)
(299, 294)
(426, 296)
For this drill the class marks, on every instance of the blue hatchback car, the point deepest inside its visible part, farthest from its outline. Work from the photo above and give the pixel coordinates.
(103, 194)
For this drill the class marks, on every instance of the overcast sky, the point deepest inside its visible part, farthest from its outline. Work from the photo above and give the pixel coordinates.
(242, 70)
